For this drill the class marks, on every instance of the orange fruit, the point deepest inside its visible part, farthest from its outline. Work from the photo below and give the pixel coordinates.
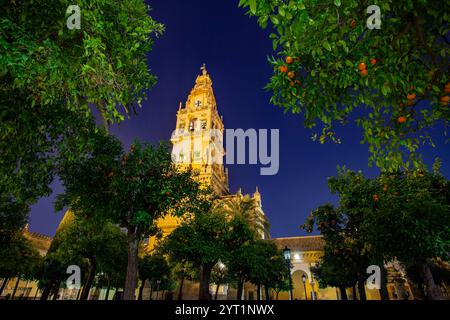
(283, 69)
(298, 82)
(402, 119)
(291, 83)
(411, 96)
(445, 99)
(447, 88)
(373, 61)
(364, 72)
(362, 66)
(353, 23)
(291, 75)
(289, 60)
(375, 197)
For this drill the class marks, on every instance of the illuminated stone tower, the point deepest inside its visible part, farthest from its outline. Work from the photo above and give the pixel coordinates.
(198, 143)
(198, 138)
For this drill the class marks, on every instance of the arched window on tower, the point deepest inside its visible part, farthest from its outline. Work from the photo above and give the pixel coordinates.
(192, 125)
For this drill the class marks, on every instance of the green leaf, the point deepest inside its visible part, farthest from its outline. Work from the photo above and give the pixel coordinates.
(326, 44)
(242, 3)
(274, 20)
(253, 6)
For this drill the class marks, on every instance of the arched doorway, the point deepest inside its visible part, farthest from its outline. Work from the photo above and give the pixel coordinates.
(301, 291)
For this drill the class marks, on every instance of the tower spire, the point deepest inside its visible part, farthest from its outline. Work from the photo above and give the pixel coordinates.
(199, 135)
(203, 68)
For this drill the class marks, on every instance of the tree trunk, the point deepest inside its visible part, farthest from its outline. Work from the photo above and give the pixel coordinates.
(5, 281)
(383, 289)
(278, 292)
(15, 288)
(90, 280)
(217, 291)
(141, 289)
(258, 293)
(129, 292)
(56, 291)
(47, 290)
(151, 291)
(180, 291)
(79, 292)
(204, 282)
(35, 295)
(354, 293)
(107, 292)
(266, 290)
(343, 293)
(240, 288)
(432, 290)
(361, 290)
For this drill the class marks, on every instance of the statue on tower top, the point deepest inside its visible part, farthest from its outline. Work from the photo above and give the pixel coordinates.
(203, 68)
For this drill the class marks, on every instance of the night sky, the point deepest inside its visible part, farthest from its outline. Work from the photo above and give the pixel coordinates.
(235, 51)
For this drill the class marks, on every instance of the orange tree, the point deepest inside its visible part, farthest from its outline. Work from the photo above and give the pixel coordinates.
(330, 67)
(98, 246)
(102, 64)
(402, 216)
(18, 259)
(50, 79)
(267, 266)
(345, 258)
(204, 239)
(155, 269)
(410, 221)
(131, 189)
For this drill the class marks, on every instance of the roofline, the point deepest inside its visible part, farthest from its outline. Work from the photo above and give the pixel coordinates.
(39, 235)
(298, 237)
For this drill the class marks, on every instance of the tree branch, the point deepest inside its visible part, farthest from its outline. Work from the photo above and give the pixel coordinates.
(421, 37)
(403, 32)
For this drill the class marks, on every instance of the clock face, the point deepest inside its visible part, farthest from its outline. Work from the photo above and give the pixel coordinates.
(198, 103)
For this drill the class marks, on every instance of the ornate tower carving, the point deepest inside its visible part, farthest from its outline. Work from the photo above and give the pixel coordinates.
(198, 138)
(198, 143)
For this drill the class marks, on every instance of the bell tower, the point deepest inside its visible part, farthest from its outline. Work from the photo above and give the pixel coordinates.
(198, 138)
(197, 144)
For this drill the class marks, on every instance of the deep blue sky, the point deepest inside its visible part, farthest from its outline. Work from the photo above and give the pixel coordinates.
(235, 50)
